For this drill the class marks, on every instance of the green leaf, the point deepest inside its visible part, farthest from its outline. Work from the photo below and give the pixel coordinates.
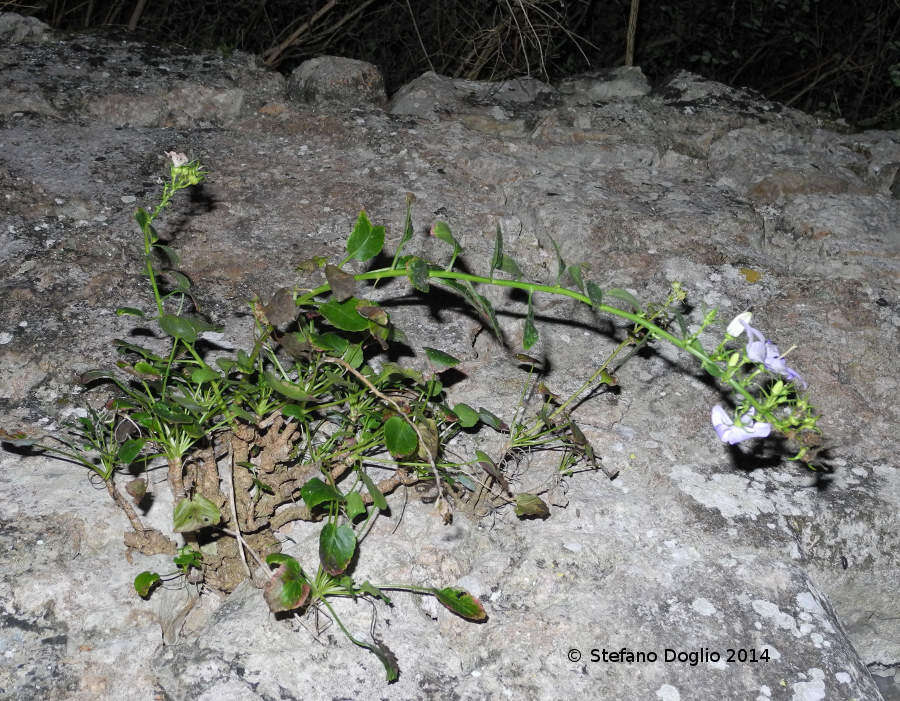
(389, 370)
(595, 293)
(343, 285)
(353, 355)
(144, 368)
(377, 497)
(178, 327)
(388, 658)
(574, 272)
(187, 557)
(169, 414)
(244, 361)
(440, 358)
(417, 269)
(129, 450)
(316, 492)
(479, 303)
(144, 581)
(531, 506)
(561, 264)
(287, 389)
(293, 411)
(354, 505)
(625, 296)
(509, 266)
(497, 258)
(530, 334)
(489, 466)
(461, 602)
(441, 231)
(343, 315)
(132, 311)
(93, 375)
(330, 342)
(366, 241)
(407, 231)
(399, 437)
(336, 547)
(195, 513)
(204, 374)
(287, 589)
(225, 363)
(492, 420)
(467, 416)
(368, 588)
(142, 217)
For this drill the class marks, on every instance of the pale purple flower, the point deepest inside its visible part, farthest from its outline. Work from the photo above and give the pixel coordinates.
(762, 350)
(732, 433)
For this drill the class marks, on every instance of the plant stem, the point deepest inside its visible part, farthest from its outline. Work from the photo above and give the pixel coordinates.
(655, 330)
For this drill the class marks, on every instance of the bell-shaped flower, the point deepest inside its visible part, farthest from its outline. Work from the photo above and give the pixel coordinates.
(746, 428)
(762, 350)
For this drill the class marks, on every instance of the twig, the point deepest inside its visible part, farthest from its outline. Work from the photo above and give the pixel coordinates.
(632, 31)
(419, 36)
(237, 526)
(273, 54)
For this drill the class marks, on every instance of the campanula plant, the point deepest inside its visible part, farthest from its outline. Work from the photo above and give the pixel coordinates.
(301, 427)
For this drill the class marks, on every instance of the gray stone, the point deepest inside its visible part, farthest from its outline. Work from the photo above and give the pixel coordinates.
(616, 84)
(346, 81)
(15, 28)
(694, 547)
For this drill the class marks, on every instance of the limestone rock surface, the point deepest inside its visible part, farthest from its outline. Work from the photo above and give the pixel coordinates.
(725, 572)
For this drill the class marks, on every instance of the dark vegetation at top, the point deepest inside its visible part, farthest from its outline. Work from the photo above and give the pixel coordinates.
(831, 57)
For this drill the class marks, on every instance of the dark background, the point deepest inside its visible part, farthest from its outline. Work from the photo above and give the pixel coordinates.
(836, 58)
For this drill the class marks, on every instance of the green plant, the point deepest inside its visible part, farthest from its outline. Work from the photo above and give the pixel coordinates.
(299, 421)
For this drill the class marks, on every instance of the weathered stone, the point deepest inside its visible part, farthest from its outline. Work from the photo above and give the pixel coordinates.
(346, 81)
(695, 547)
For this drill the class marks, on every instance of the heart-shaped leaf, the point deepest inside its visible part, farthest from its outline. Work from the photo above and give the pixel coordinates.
(399, 437)
(144, 581)
(354, 505)
(316, 492)
(287, 589)
(365, 241)
(529, 505)
(129, 450)
(178, 327)
(336, 547)
(467, 416)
